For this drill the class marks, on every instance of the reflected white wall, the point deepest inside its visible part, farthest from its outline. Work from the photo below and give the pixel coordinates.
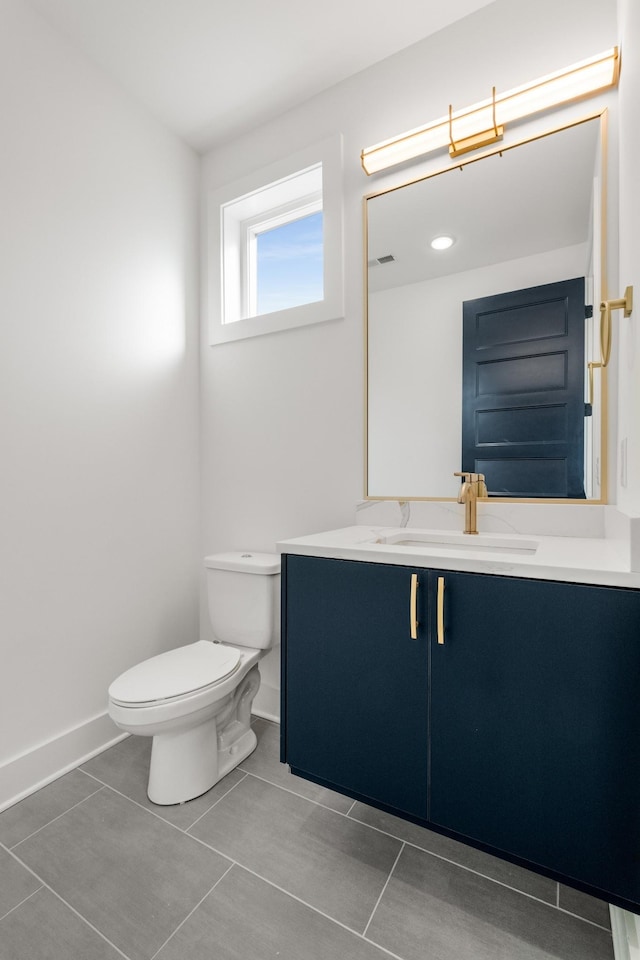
(415, 370)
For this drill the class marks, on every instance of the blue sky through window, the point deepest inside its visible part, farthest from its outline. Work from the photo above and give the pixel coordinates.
(289, 264)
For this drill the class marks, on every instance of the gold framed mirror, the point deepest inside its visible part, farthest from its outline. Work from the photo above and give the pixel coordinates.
(524, 218)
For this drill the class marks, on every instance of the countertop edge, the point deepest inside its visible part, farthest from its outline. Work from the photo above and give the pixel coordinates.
(334, 544)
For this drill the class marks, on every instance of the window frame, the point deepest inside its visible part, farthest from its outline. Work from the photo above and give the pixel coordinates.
(227, 237)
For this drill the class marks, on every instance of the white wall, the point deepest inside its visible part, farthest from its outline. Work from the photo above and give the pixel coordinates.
(98, 396)
(282, 415)
(626, 927)
(629, 339)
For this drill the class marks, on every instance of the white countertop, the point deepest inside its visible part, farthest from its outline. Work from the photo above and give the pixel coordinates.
(574, 559)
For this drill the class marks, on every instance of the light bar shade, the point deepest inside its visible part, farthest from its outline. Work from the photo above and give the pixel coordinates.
(580, 80)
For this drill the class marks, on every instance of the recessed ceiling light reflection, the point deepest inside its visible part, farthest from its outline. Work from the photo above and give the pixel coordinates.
(443, 242)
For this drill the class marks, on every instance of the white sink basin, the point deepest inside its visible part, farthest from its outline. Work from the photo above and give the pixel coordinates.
(439, 540)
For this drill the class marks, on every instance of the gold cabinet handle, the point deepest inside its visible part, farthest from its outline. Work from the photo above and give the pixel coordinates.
(413, 606)
(440, 609)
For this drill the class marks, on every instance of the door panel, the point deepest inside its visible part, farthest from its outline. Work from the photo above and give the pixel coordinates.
(527, 475)
(535, 729)
(525, 322)
(356, 683)
(522, 424)
(523, 366)
(532, 374)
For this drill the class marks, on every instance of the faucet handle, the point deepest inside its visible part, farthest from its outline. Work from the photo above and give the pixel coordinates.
(478, 478)
(471, 477)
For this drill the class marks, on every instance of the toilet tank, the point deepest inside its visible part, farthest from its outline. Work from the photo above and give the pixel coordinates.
(243, 593)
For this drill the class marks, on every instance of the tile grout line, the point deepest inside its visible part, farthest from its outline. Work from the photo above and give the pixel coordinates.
(395, 862)
(182, 922)
(287, 893)
(225, 794)
(159, 816)
(577, 916)
(17, 905)
(370, 826)
(317, 910)
(409, 843)
(185, 831)
(48, 887)
(54, 819)
(454, 863)
(225, 856)
(378, 946)
(430, 853)
(478, 873)
(318, 803)
(173, 826)
(253, 872)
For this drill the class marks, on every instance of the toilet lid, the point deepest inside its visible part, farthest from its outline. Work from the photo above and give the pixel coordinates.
(175, 673)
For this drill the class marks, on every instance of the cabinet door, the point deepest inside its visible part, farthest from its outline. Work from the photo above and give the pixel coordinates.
(535, 725)
(355, 683)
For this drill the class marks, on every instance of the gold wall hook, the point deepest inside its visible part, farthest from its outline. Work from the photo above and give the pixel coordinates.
(622, 303)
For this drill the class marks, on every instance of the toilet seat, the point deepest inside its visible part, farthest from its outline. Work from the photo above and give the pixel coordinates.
(174, 674)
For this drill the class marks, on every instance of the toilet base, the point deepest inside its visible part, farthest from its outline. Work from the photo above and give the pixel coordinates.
(231, 756)
(188, 761)
(184, 765)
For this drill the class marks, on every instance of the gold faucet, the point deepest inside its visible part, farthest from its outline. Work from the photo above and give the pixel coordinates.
(472, 488)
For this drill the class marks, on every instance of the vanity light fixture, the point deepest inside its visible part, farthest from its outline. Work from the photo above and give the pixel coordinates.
(443, 242)
(484, 122)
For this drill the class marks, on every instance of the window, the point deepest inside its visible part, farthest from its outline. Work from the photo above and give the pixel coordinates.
(285, 262)
(277, 234)
(278, 248)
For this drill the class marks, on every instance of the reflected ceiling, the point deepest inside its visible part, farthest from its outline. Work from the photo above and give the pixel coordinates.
(486, 230)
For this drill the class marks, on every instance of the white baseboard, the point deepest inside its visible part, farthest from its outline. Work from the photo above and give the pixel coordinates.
(625, 928)
(35, 768)
(265, 715)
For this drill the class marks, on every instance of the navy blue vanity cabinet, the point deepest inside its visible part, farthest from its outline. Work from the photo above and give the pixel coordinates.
(535, 725)
(355, 686)
(511, 722)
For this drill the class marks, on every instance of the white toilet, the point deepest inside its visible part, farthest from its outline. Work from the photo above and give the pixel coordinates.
(195, 701)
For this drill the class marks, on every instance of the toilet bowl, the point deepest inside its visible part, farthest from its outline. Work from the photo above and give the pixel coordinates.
(195, 701)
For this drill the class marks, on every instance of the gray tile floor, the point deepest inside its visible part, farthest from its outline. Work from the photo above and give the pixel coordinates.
(263, 866)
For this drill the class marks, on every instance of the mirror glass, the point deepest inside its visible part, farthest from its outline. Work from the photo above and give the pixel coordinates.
(478, 355)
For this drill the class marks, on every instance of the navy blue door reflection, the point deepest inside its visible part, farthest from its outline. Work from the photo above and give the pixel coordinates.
(523, 390)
